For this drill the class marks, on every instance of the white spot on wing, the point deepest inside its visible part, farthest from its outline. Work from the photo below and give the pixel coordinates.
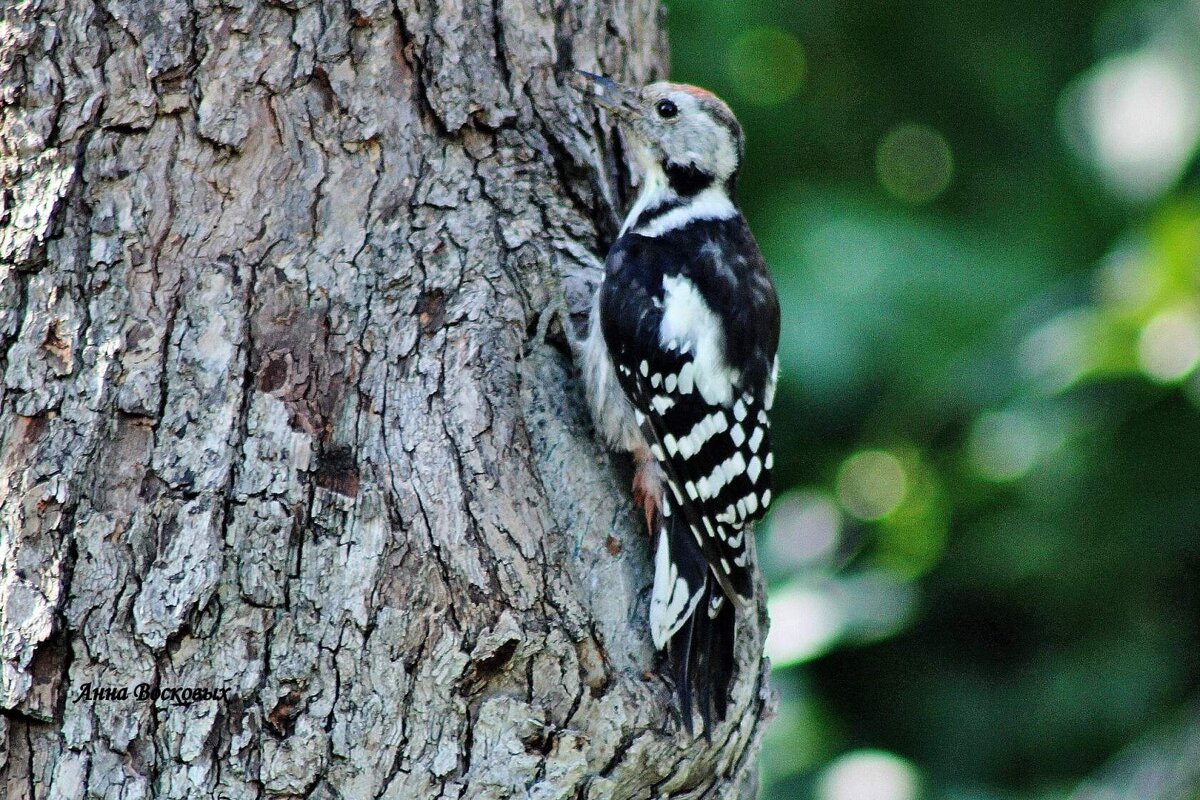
(718, 479)
(754, 469)
(686, 374)
(734, 465)
(737, 434)
(756, 438)
(687, 318)
(736, 541)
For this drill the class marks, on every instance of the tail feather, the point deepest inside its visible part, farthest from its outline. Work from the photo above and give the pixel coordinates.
(708, 665)
(680, 649)
(694, 622)
(721, 663)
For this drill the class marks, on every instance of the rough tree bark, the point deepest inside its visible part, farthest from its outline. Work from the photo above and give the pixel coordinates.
(280, 416)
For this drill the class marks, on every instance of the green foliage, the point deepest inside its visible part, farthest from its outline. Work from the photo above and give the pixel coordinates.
(984, 223)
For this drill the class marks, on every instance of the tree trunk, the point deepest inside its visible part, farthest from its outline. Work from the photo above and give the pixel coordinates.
(298, 495)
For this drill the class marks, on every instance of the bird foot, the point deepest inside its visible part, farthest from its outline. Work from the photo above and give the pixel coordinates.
(646, 489)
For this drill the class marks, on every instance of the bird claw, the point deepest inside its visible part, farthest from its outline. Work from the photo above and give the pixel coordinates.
(645, 494)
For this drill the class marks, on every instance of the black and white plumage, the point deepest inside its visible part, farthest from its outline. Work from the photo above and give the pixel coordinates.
(680, 367)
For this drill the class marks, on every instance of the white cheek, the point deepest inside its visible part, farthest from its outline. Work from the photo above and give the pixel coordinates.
(709, 146)
(643, 158)
(726, 160)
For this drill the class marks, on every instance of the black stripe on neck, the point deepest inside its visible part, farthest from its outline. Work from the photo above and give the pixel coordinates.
(731, 187)
(651, 214)
(686, 180)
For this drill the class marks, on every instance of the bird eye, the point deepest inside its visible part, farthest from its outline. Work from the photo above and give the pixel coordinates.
(666, 109)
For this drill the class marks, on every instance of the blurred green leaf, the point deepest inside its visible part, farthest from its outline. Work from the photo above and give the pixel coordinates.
(985, 551)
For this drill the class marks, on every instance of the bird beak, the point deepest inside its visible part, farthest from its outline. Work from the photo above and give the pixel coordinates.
(607, 93)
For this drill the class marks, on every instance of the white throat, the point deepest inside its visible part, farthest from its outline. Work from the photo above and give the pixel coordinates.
(655, 191)
(712, 203)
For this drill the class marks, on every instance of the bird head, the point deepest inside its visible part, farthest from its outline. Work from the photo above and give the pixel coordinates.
(682, 134)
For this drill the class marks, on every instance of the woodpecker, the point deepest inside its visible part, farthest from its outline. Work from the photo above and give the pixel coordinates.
(680, 367)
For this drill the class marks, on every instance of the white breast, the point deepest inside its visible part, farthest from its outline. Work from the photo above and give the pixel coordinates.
(611, 411)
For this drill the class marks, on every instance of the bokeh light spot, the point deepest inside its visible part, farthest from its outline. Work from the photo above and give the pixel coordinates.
(1169, 345)
(1136, 117)
(1059, 353)
(1005, 445)
(803, 528)
(1127, 282)
(767, 66)
(869, 775)
(871, 484)
(914, 163)
(805, 622)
